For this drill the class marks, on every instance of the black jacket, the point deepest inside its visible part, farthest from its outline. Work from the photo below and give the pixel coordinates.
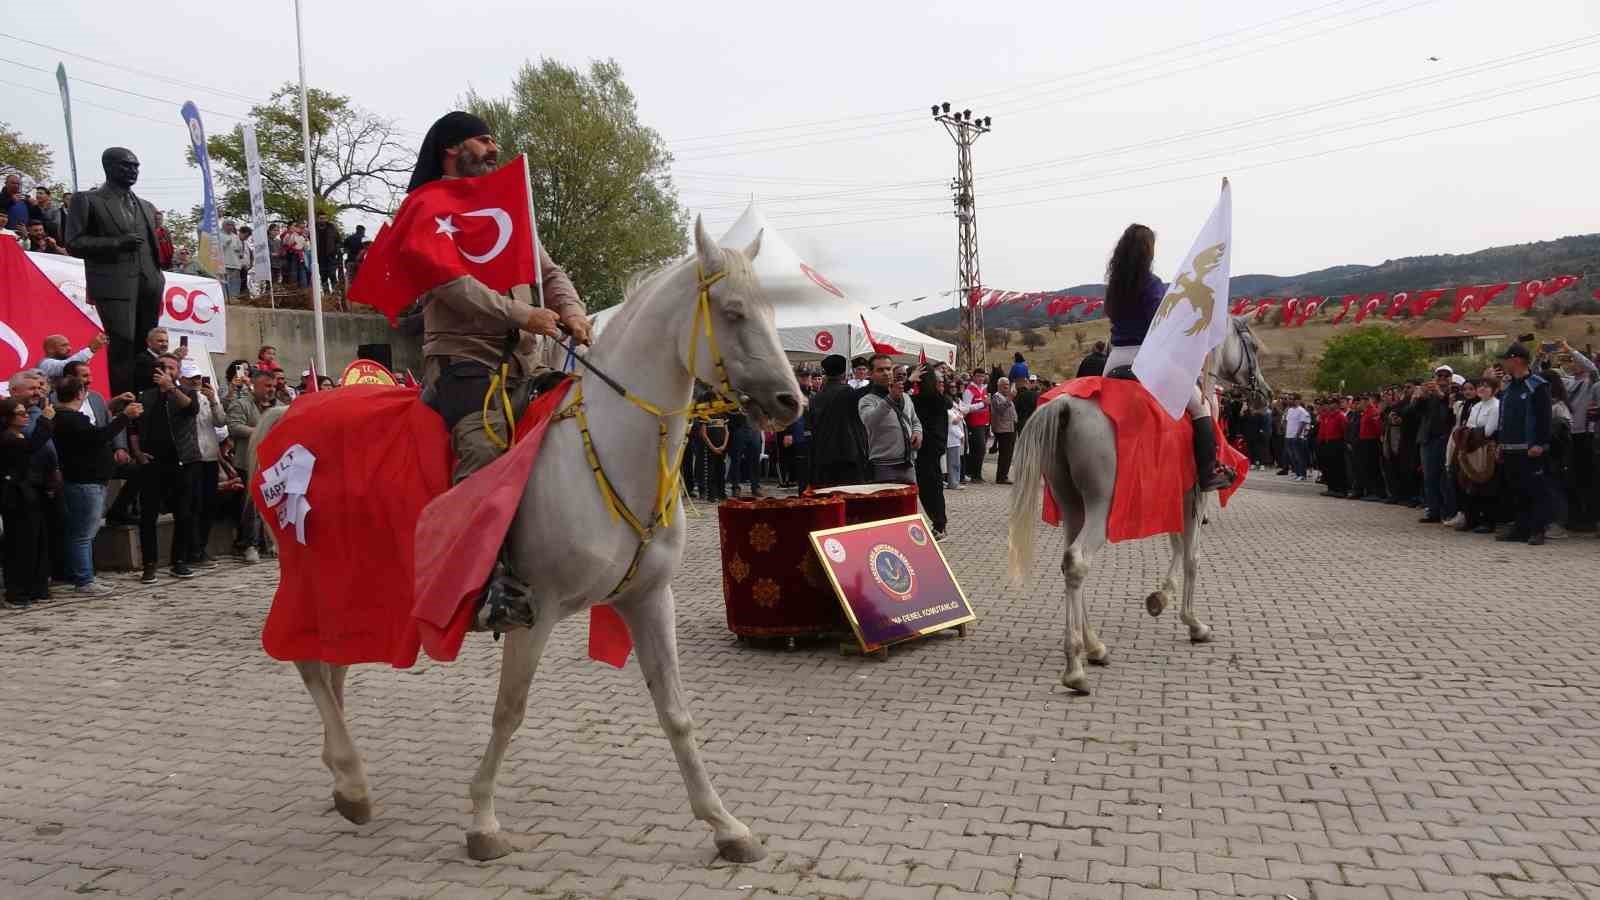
(85, 449)
(1093, 364)
(96, 222)
(166, 432)
(933, 409)
(838, 439)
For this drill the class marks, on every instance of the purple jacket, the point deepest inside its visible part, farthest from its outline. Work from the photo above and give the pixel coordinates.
(1128, 329)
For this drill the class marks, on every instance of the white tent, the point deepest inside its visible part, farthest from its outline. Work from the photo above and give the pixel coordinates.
(814, 317)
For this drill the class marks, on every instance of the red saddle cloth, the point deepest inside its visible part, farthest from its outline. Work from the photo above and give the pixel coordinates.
(1155, 459)
(394, 556)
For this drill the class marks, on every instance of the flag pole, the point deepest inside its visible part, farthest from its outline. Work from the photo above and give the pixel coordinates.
(533, 226)
(311, 194)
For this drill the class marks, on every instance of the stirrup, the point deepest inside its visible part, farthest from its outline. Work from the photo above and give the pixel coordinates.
(506, 603)
(1221, 477)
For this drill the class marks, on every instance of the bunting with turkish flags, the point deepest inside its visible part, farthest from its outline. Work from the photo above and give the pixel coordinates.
(448, 228)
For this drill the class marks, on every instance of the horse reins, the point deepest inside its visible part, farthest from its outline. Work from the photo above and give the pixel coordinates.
(669, 472)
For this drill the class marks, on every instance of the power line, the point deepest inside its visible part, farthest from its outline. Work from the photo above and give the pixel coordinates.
(841, 135)
(77, 80)
(127, 68)
(28, 87)
(1220, 172)
(901, 115)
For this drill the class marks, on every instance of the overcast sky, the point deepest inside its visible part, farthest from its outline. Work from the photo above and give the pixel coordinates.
(1103, 114)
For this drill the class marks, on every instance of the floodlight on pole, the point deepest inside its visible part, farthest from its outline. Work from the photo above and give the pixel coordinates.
(964, 129)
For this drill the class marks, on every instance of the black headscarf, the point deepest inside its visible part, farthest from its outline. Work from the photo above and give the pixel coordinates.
(450, 130)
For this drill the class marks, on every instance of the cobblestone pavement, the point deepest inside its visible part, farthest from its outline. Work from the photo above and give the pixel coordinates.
(1388, 710)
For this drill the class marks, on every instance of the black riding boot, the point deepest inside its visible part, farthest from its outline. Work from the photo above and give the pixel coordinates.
(1209, 477)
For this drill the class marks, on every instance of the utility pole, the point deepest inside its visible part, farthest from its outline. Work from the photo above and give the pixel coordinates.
(965, 129)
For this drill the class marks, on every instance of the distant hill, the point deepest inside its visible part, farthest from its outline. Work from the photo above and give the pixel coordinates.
(1564, 256)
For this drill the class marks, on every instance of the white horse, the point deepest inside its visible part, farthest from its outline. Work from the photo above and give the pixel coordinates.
(1071, 445)
(571, 550)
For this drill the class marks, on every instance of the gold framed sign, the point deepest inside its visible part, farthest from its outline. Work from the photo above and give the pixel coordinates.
(892, 580)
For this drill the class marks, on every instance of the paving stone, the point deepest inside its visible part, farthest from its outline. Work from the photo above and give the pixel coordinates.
(1389, 735)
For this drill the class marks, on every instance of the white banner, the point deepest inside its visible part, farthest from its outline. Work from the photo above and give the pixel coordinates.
(191, 305)
(261, 268)
(1193, 316)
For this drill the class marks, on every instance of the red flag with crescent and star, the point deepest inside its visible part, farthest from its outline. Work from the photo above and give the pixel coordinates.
(480, 226)
(31, 309)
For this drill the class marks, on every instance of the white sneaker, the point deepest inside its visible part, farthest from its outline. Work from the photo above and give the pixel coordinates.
(1555, 533)
(1456, 521)
(250, 556)
(93, 589)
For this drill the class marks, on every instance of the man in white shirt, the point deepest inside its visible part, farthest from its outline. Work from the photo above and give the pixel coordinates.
(209, 420)
(232, 258)
(1296, 431)
(58, 353)
(858, 374)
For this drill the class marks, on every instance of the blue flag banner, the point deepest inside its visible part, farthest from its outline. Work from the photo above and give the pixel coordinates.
(210, 255)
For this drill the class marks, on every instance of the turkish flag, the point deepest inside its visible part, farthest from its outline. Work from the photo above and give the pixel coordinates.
(1370, 306)
(877, 345)
(1559, 283)
(31, 309)
(1466, 299)
(1344, 310)
(1527, 293)
(1399, 303)
(448, 228)
(1239, 306)
(1424, 300)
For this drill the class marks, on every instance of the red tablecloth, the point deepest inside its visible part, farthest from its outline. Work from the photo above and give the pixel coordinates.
(772, 582)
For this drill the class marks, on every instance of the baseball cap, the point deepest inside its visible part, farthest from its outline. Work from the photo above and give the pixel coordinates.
(1518, 351)
(1459, 379)
(188, 368)
(1446, 369)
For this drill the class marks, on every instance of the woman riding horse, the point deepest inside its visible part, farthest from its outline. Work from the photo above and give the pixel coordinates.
(1133, 293)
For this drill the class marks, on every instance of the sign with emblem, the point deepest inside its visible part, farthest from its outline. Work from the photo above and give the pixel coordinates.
(892, 580)
(366, 371)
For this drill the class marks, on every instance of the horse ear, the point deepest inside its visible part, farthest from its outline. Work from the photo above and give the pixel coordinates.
(755, 246)
(706, 249)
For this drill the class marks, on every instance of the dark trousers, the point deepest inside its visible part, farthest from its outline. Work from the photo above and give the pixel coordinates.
(691, 462)
(127, 320)
(1330, 459)
(977, 449)
(1367, 464)
(1525, 476)
(713, 471)
(1584, 506)
(177, 484)
(1008, 442)
(1433, 476)
(205, 507)
(930, 488)
(27, 549)
(744, 458)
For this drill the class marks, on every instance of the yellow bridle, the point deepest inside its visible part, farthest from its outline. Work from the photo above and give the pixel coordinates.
(668, 470)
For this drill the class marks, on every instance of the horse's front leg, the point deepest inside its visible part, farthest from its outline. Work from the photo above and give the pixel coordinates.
(1199, 632)
(518, 661)
(351, 797)
(652, 621)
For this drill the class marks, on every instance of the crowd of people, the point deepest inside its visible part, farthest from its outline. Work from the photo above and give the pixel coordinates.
(38, 223)
(1510, 453)
(870, 421)
(176, 444)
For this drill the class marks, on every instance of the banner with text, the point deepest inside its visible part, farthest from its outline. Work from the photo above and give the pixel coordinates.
(210, 238)
(261, 268)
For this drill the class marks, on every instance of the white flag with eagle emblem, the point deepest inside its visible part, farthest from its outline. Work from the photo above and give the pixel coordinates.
(1192, 319)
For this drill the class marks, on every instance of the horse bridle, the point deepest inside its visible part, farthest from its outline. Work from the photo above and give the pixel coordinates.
(1248, 363)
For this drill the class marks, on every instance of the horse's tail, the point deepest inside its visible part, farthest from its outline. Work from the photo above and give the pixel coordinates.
(269, 419)
(1036, 448)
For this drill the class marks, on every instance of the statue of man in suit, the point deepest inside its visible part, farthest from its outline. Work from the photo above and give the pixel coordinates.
(114, 232)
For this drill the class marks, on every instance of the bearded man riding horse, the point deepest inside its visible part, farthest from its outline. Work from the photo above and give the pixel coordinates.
(585, 501)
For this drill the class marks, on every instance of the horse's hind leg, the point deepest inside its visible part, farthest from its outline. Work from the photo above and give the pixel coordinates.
(1199, 632)
(1079, 634)
(1167, 590)
(518, 661)
(351, 798)
(653, 624)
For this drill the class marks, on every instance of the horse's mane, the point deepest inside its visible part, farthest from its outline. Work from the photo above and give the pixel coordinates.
(644, 280)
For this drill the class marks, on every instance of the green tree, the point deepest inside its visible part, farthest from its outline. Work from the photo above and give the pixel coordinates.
(182, 227)
(1368, 358)
(1032, 339)
(357, 159)
(605, 202)
(24, 156)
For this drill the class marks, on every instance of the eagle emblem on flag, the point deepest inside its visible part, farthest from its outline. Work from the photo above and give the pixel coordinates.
(1193, 288)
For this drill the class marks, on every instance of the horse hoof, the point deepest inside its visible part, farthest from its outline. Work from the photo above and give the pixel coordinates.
(1077, 682)
(742, 850)
(1103, 658)
(1155, 603)
(484, 846)
(1199, 633)
(357, 811)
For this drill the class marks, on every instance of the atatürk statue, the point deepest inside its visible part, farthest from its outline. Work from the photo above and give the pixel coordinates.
(115, 234)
